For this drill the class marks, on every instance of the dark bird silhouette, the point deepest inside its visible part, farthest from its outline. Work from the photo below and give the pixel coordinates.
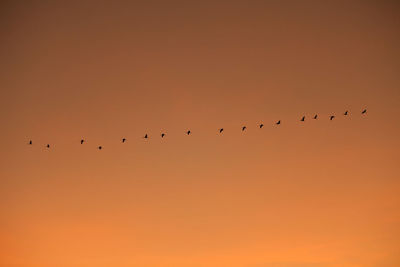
(244, 128)
(221, 130)
(100, 147)
(316, 116)
(364, 111)
(162, 135)
(346, 113)
(278, 122)
(331, 117)
(48, 146)
(145, 136)
(188, 132)
(302, 119)
(123, 140)
(261, 125)
(30, 142)
(82, 141)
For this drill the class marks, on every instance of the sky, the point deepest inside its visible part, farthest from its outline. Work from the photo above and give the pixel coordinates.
(317, 193)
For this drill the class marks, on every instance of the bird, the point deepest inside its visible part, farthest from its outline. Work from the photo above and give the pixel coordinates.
(364, 111)
(316, 116)
(48, 146)
(188, 132)
(221, 130)
(123, 140)
(331, 117)
(145, 136)
(346, 113)
(100, 147)
(278, 122)
(82, 141)
(30, 142)
(244, 128)
(261, 125)
(303, 118)
(162, 135)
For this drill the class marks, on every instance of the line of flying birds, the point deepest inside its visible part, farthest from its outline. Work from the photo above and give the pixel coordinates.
(188, 132)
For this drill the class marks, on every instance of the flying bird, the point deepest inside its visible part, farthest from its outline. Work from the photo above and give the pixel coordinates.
(331, 117)
(30, 142)
(188, 132)
(364, 111)
(261, 125)
(100, 147)
(123, 140)
(221, 130)
(316, 116)
(303, 118)
(82, 141)
(346, 113)
(278, 122)
(162, 135)
(244, 128)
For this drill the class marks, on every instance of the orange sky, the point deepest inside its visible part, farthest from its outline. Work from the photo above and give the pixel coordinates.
(314, 194)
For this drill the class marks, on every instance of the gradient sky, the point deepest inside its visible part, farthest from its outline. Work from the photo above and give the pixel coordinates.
(313, 194)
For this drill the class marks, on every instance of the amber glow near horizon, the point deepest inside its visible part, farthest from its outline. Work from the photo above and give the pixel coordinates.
(302, 194)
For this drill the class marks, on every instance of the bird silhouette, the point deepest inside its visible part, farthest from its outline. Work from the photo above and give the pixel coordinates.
(188, 132)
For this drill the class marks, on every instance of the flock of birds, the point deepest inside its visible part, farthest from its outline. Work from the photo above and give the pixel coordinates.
(188, 132)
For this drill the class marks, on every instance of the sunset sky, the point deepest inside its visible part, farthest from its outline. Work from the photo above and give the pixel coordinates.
(317, 193)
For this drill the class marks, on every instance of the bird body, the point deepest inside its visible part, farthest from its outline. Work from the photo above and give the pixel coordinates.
(346, 113)
(82, 141)
(316, 116)
(123, 140)
(100, 147)
(278, 122)
(48, 146)
(188, 132)
(261, 125)
(221, 130)
(303, 118)
(244, 128)
(145, 136)
(331, 117)
(30, 142)
(162, 135)
(364, 111)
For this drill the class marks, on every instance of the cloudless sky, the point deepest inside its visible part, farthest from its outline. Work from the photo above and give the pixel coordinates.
(302, 194)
